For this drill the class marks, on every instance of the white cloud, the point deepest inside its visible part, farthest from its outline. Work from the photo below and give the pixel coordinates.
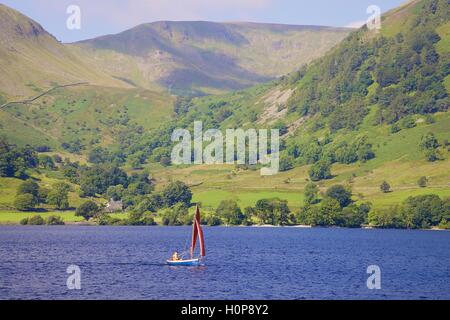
(356, 24)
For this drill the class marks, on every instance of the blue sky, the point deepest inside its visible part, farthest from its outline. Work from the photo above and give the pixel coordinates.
(99, 17)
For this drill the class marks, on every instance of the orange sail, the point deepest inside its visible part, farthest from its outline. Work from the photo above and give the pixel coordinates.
(197, 232)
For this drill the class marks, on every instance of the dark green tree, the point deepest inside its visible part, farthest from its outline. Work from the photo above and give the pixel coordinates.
(311, 193)
(422, 182)
(230, 212)
(385, 187)
(273, 211)
(46, 162)
(286, 163)
(341, 194)
(29, 187)
(429, 142)
(177, 215)
(25, 202)
(36, 220)
(54, 221)
(320, 170)
(59, 196)
(87, 210)
(177, 192)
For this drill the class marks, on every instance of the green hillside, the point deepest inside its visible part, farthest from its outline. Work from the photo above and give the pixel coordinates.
(371, 116)
(32, 60)
(352, 95)
(84, 117)
(200, 57)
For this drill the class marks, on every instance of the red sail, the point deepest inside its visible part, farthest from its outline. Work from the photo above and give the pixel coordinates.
(194, 237)
(197, 231)
(200, 234)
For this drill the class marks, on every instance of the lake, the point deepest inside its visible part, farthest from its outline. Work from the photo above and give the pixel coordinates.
(241, 263)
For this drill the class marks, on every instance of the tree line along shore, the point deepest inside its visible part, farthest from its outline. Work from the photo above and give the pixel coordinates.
(133, 200)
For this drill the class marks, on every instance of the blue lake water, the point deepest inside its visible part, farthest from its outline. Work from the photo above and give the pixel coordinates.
(241, 263)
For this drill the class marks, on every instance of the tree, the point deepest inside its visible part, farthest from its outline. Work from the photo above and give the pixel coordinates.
(24, 202)
(395, 128)
(230, 212)
(432, 155)
(135, 218)
(329, 210)
(273, 211)
(54, 221)
(429, 141)
(87, 210)
(423, 211)
(46, 162)
(341, 194)
(311, 192)
(429, 144)
(386, 218)
(286, 163)
(115, 192)
(176, 216)
(97, 179)
(353, 216)
(29, 187)
(36, 220)
(99, 155)
(320, 170)
(346, 154)
(177, 192)
(365, 153)
(151, 203)
(148, 220)
(57, 158)
(59, 196)
(408, 123)
(14, 161)
(422, 182)
(213, 220)
(43, 194)
(385, 187)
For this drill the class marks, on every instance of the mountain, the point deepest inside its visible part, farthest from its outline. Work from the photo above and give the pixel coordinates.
(370, 115)
(373, 109)
(206, 57)
(31, 59)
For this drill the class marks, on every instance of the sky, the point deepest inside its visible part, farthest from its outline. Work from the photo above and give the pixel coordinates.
(100, 17)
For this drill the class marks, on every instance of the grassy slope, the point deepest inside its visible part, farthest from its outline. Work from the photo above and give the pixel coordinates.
(33, 60)
(207, 57)
(72, 113)
(399, 161)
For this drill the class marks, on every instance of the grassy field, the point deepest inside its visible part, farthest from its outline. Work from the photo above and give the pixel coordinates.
(14, 217)
(8, 187)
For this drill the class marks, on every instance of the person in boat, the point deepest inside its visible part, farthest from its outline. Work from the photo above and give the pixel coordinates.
(175, 256)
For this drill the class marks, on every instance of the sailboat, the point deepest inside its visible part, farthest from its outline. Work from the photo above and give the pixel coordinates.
(197, 232)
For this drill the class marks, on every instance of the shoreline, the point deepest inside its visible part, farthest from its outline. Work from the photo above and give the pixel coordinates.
(300, 226)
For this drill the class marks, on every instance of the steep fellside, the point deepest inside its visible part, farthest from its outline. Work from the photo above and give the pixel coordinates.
(198, 57)
(32, 60)
(373, 109)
